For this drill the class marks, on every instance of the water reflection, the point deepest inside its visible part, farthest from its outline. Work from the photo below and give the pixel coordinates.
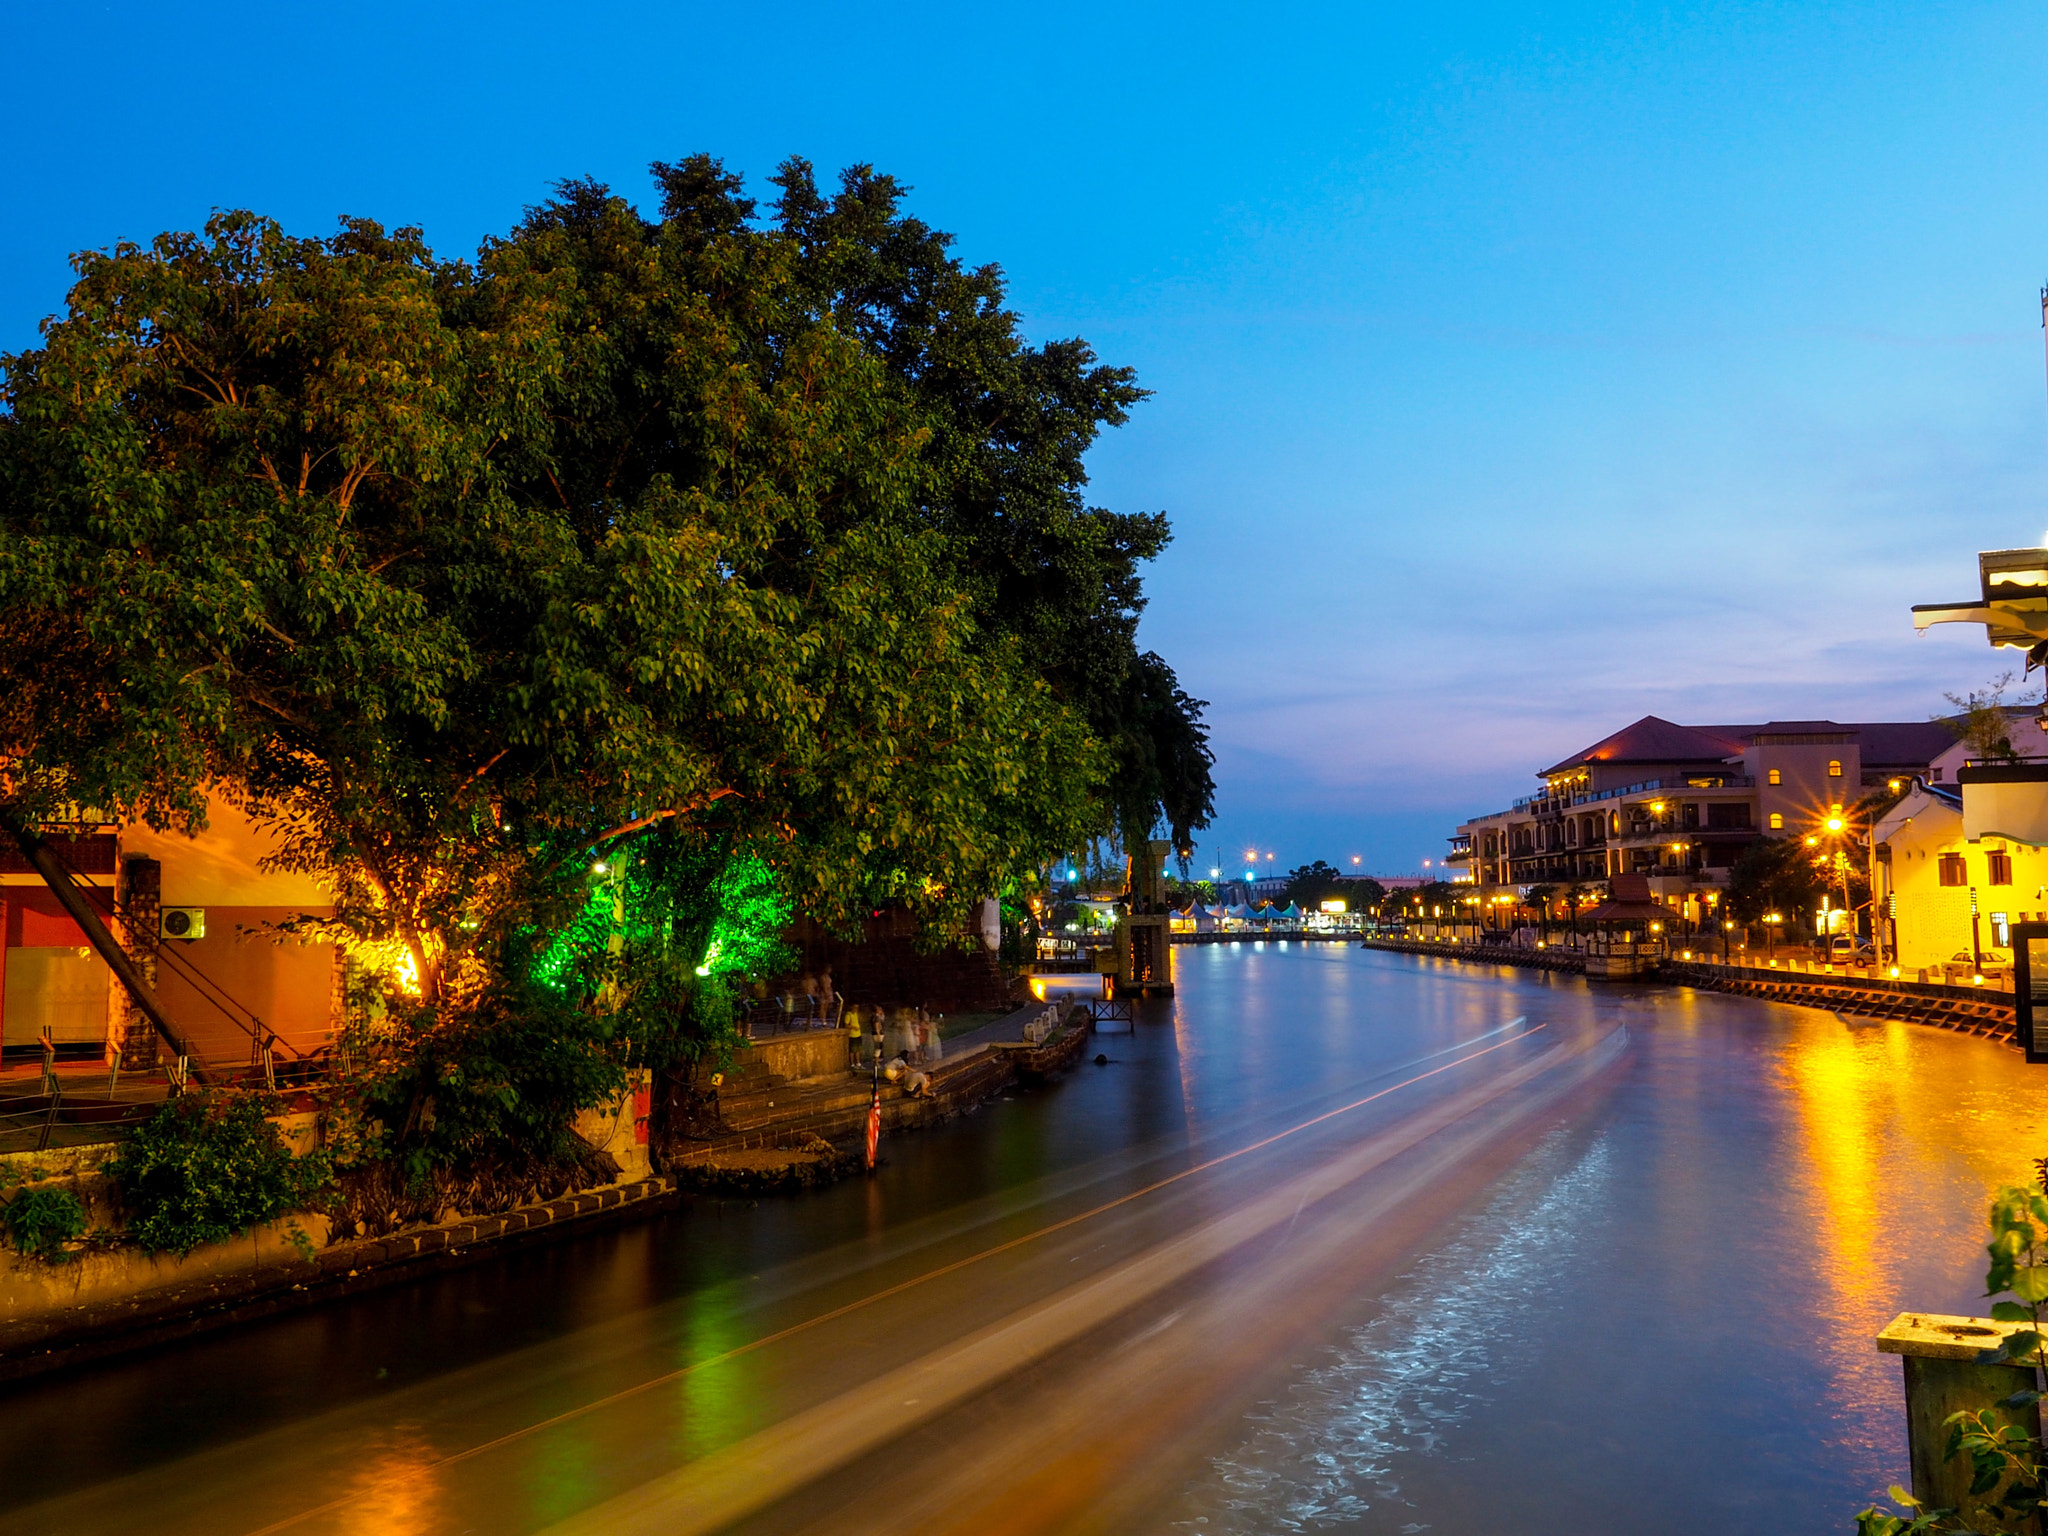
(397, 1490)
(1665, 1306)
(1690, 1281)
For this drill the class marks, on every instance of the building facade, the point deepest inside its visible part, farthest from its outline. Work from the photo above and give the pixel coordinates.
(199, 917)
(1678, 804)
(1955, 864)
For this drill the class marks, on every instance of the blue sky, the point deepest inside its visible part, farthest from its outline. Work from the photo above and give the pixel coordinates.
(1518, 371)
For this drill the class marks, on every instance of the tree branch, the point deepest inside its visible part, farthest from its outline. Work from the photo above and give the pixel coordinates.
(642, 823)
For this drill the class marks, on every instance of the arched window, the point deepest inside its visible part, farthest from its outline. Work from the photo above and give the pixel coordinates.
(1777, 821)
(1834, 769)
(1777, 777)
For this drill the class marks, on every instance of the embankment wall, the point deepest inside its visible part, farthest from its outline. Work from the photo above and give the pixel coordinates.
(1971, 1010)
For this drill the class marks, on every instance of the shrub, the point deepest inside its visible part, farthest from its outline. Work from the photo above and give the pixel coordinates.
(41, 1221)
(208, 1167)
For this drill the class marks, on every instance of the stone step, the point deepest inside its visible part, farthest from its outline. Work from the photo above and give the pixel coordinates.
(784, 1114)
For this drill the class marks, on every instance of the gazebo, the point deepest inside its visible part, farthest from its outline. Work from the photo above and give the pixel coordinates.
(1628, 931)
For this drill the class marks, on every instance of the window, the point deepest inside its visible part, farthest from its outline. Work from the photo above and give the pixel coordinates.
(1934, 775)
(1777, 777)
(1834, 769)
(1777, 822)
(2001, 868)
(1726, 815)
(1953, 870)
(2001, 933)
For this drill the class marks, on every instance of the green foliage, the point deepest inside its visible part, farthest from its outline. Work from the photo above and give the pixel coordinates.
(670, 924)
(746, 558)
(1982, 720)
(1310, 885)
(493, 1079)
(1008, 427)
(1775, 874)
(41, 1221)
(751, 916)
(209, 1166)
(442, 567)
(2008, 1476)
(1428, 896)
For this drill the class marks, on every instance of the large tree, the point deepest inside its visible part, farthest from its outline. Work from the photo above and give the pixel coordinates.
(456, 571)
(1778, 875)
(1009, 425)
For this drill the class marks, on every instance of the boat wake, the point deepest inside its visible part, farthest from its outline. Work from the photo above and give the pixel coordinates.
(1331, 1452)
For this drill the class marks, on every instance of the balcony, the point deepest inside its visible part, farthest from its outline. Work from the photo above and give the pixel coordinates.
(1543, 805)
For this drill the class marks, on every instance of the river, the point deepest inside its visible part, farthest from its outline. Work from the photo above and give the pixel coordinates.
(1334, 1241)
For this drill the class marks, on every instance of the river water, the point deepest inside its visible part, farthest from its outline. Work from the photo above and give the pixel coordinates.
(1334, 1241)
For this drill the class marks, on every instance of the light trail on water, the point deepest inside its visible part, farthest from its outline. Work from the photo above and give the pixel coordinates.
(1038, 1234)
(1100, 1309)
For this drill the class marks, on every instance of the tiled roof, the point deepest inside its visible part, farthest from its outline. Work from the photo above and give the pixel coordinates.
(1651, 740)
(1905, 744)
(1885, 744)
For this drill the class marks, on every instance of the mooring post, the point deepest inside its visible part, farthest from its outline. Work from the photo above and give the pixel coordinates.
(1943, 1377)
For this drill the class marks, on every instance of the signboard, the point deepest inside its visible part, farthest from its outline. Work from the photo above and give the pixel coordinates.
(1333, 906)
(2030, 990)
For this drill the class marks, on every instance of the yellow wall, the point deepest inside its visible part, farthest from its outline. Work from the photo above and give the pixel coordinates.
(1934, 919)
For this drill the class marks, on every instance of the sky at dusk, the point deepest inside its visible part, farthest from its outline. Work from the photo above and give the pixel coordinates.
(1517, 371)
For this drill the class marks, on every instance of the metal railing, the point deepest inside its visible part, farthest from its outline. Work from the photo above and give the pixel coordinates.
(269, 1054)
(790, 1014)
(1647, 786)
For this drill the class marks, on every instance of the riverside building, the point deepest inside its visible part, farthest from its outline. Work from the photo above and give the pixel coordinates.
(1678, 803)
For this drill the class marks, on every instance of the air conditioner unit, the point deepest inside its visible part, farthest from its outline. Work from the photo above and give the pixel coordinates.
(183, 923)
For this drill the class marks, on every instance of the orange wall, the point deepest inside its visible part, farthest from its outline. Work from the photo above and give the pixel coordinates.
(289, 986)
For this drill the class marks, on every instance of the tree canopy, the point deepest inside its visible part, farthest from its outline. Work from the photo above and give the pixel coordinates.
(1310, 885)
(1774, 874)
(769, 533)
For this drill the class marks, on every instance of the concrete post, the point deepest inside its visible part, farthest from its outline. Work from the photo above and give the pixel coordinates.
(1943, 1377)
